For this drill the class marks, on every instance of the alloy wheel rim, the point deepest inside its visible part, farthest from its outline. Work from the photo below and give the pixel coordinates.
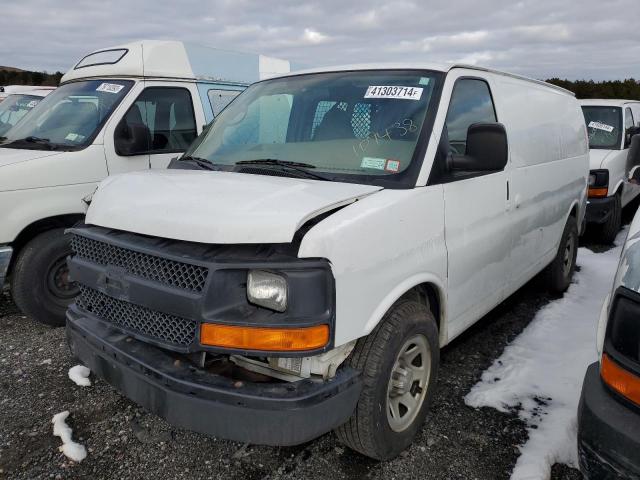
(407, 387)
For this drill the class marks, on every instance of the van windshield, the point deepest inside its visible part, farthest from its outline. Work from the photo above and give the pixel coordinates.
(70, 117)
(357, 126)
(13, 108)
(603, 126)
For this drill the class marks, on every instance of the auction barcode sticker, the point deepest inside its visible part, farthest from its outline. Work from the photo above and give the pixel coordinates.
(109, 87)
(391, 91)
(601, 126)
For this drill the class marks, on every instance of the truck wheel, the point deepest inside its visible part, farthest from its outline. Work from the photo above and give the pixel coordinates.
(40, 283)
(608, 231)
(559, 272)
(399, 363)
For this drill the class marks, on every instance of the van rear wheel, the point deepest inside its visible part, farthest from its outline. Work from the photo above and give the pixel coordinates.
(608, 231)
(399, 363)
(559, 272)
(40, 283)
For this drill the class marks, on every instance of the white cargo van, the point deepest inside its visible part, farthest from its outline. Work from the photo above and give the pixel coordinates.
(17, 105)
(125, 108)
(610, 124)
(343, 226)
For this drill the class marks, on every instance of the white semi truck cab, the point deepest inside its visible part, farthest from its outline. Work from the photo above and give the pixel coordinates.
(121, 109)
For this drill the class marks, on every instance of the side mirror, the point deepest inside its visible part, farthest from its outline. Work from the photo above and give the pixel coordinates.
(487, 149)
(630, 134)
(633, 160)
(134, 139)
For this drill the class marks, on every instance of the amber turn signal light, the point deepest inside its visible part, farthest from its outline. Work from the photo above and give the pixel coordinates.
(264, 338)
(598, 192)
(625, 383)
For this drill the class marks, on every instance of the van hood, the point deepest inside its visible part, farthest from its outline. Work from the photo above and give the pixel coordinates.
(597, 156)
(216, 207)
(9, 156)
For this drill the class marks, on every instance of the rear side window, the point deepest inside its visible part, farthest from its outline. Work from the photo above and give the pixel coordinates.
(471, 103)
(167, 114)
(219, 99)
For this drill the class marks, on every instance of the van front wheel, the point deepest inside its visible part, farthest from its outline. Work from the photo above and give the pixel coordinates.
(559, 272)
(399, 363)
(40, 283)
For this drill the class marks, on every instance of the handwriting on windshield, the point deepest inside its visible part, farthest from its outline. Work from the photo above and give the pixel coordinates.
(404, 127)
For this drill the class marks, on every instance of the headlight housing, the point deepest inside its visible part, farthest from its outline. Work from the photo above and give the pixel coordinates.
(598, 183)
(267, 290)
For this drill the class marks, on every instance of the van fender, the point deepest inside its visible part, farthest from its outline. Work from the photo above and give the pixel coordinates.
(614, 191)
(402, 288)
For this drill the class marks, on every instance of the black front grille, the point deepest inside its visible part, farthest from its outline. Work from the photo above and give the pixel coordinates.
(159, 326)
(169, 272)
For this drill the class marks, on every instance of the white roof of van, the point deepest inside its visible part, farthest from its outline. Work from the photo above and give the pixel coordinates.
(172, 59)
(438, 67)
(606, 102)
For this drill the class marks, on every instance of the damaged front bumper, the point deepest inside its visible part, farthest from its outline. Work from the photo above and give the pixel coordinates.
(270, 413)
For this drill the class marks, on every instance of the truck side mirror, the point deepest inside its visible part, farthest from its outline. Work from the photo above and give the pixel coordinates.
(633, 159)
(132, 139)
(486, 149)
(630, 134)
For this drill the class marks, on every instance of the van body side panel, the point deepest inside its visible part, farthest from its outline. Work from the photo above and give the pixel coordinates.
(379, 248)
(549, 168)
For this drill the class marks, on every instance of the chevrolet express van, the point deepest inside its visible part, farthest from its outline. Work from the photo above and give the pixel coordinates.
(17, 105)
(126, 108)
(610, 124)
(300, 267)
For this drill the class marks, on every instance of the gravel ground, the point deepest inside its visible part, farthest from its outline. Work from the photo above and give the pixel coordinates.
(126, 442)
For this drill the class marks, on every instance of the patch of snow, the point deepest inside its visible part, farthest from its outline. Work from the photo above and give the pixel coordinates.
(46, 361)
(541, 372)
(80, 375)
(71, 449)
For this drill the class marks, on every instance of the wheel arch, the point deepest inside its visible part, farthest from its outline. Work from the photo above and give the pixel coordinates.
(425, 288)
(42, 225)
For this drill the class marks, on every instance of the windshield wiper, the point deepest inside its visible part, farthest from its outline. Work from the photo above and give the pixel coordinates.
(299, 167)
(45, 142)
(201, 162)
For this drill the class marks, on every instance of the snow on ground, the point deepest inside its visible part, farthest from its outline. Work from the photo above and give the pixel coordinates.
(540, 373)
(71, 449)
(80, 375)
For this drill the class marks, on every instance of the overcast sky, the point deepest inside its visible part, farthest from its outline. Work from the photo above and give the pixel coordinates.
(540, 38)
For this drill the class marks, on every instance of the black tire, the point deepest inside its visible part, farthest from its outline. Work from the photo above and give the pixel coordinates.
(608, 231)
(368, 431)
(39, 282)
(558, 273)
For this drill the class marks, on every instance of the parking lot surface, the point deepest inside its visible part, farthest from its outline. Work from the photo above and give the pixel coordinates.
(124, 441)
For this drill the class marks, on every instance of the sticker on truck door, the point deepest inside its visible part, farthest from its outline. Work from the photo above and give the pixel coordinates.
(601, 126)
(391, 91)
(109, 87)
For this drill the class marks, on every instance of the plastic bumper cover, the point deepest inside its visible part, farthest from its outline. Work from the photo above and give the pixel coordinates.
(268, 413)
(599, 209)
(5, 259)
(608, 432)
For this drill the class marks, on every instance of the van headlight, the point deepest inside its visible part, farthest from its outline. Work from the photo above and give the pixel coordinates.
(267, 290)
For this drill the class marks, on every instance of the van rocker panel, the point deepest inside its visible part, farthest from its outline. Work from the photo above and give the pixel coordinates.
(266, 414)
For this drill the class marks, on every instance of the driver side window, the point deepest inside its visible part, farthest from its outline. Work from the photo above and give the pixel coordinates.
(471, 103)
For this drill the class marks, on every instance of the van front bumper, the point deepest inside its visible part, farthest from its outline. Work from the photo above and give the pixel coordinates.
(608, 432)
(5, 260)
(277, 413)
(600, 209)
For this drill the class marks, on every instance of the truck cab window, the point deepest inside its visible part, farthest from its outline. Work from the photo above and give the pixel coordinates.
(629, 125)
(219, 99)
(167, 115)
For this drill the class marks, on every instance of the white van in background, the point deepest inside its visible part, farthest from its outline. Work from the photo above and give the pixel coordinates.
(120, 109)
(17, 105)
(11, 89)
(342, 226)
(610, 125)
